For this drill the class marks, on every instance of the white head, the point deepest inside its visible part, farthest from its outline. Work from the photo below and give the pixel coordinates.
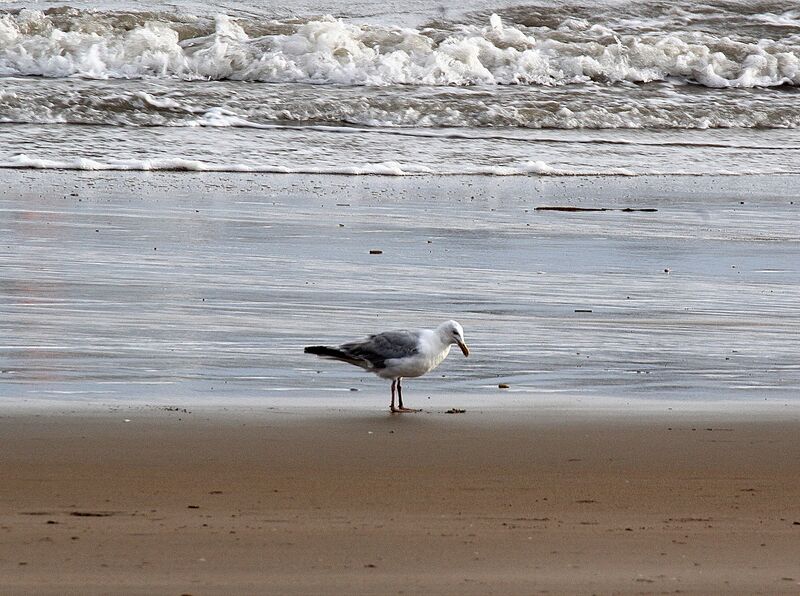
(452, 333)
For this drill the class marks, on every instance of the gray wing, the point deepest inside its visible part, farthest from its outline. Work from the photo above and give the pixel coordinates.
(379, 348)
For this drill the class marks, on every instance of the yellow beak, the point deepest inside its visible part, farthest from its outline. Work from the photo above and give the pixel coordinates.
(464, 348)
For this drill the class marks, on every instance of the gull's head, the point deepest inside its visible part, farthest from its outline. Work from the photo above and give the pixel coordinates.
(453, 333)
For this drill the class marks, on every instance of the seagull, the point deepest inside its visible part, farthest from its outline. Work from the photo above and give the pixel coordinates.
(397, 354)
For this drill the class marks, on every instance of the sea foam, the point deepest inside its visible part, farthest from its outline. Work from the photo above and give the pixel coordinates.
(384, 168)
(331, 51)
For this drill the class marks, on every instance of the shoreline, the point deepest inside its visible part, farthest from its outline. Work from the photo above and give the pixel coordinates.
(386, 169)
(371, 405)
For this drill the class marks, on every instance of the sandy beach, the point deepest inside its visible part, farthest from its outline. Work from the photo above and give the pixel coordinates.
(163, 433)
(148, 501)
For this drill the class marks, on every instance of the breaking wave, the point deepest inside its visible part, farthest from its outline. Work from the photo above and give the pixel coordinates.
(73, 43)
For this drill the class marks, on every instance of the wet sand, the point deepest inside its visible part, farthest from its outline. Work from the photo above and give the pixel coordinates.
(492, 502)
(180, 288)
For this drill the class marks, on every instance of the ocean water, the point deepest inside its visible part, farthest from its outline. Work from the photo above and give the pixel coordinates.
(502, 88)
(190, 192)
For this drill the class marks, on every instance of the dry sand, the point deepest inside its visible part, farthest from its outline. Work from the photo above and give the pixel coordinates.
(494, 502)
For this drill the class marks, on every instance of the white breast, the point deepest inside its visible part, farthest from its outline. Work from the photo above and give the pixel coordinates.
(430, 355)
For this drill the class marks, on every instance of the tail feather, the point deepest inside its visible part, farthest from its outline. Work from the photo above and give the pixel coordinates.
(336, 354)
